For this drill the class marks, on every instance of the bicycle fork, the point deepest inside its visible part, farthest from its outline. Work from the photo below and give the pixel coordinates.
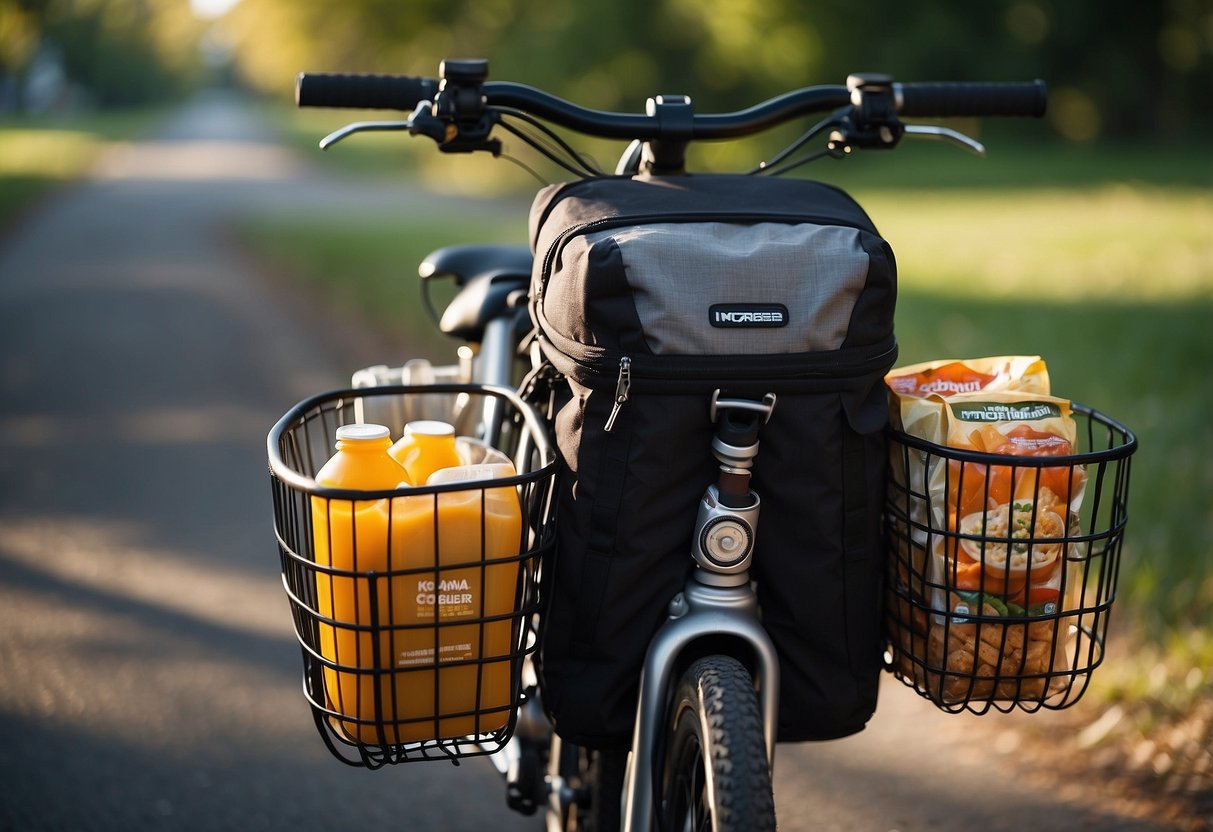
(718, 600)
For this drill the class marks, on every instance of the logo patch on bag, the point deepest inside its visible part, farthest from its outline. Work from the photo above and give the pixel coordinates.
(727, 315)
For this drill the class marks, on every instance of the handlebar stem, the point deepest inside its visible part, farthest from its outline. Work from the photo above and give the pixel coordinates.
(666, 154)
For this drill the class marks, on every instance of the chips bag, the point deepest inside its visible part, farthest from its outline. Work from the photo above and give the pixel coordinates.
(1005, 525)
(917, 404)
(918, 388)
(994, 545)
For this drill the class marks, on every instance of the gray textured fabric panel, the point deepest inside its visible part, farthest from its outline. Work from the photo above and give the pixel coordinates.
(567, 296)
(678, 271)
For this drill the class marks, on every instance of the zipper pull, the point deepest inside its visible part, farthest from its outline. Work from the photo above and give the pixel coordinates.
(621, 391)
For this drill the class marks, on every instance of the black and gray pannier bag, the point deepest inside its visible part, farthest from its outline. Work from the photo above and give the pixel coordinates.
(683, 286)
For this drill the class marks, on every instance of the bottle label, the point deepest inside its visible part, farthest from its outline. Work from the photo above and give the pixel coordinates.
(425, 655)
(454, 598)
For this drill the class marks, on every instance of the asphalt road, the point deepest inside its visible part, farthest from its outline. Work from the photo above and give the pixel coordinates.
(148, 675)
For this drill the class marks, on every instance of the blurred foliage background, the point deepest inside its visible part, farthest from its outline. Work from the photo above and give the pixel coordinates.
(1116, 68)
(68, 55)
(1148, 73)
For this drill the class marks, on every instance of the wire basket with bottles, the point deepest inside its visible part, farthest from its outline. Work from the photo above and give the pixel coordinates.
(414, 604)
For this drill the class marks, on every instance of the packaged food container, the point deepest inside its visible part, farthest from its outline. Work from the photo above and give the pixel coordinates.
(413, 635)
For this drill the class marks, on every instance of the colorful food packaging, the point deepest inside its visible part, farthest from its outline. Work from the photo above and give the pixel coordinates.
(987, 545)
(918, 387)
(917, 408)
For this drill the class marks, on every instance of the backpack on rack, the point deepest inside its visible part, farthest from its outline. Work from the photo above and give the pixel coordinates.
(683, 286)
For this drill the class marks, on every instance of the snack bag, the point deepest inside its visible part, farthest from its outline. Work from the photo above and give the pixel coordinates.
(1008, 424)
(918, 407)
(1002, 552)
(918, 402)
(985, 546)
(918, 388)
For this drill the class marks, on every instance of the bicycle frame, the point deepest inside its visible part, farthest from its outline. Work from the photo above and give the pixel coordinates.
(716, 613)
(718, 607)
(701, 612)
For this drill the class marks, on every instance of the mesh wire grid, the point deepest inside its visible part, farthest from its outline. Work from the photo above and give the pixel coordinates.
(413, 607)
(1002, 570)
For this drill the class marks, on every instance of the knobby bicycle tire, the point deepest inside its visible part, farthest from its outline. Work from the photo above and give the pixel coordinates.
(716, 775)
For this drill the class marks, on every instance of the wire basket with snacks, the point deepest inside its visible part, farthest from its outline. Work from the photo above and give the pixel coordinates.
(1006, 512)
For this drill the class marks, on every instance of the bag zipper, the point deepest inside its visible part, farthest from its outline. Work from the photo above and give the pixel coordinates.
(623, 387)
(626, 374)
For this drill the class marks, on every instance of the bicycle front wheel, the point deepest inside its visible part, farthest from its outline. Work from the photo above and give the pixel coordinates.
(716, 777)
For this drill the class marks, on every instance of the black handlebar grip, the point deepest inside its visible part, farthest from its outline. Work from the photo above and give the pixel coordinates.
(363, 92)
(972, 99)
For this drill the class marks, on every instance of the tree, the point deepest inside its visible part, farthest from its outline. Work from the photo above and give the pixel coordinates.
(1145, 69)
(117, 52)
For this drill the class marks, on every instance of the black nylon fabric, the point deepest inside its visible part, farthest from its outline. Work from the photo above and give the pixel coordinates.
(559, 207)
(628, 497)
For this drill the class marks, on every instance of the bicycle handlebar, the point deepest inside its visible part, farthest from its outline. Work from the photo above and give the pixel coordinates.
(930, 99)
(362, 92)
(934, 99)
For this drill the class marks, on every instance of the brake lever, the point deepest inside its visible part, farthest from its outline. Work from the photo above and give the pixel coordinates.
(362, 127)
(420, 121)
(947, 134)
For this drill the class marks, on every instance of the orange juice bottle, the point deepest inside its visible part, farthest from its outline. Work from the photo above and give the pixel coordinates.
(472, 578)
(353, 536)
(426, 446)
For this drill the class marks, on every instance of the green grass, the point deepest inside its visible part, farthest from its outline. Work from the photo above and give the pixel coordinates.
(1114, 287)
(1106, 243)
(369, 268)
(1016, 159)
(39, 154)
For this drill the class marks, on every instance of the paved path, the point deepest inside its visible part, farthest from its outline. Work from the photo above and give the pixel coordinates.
(148, 675)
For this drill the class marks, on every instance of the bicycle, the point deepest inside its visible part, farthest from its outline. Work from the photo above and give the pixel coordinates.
(705, 734)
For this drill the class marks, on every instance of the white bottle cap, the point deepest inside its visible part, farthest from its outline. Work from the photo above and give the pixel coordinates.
(362, 432)
(429, 427)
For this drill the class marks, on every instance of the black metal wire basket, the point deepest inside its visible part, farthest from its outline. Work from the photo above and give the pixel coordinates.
(1002, 569)
(414, 607)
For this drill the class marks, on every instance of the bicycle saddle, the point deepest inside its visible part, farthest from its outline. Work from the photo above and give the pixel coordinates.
(465, 262)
